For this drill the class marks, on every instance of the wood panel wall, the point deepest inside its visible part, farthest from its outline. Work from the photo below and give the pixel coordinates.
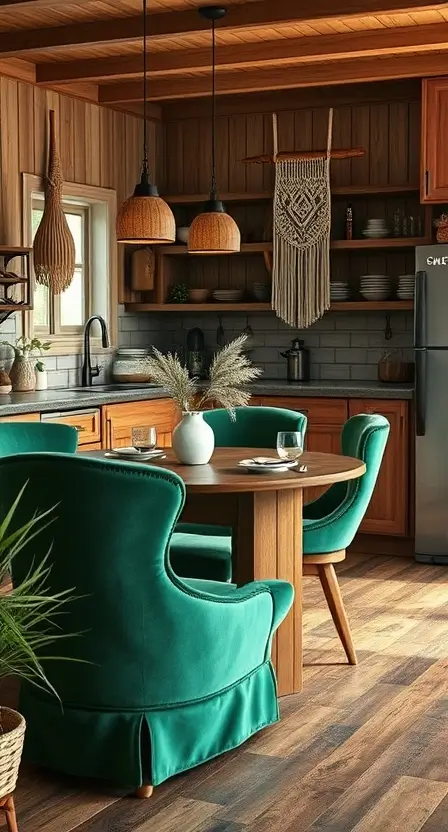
(385, 119)
(98, 147)
(389, 129)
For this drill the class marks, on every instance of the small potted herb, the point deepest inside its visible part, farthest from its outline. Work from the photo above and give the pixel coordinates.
(22, 373)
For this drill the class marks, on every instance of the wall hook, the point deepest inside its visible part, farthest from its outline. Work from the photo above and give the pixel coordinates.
(388, 330)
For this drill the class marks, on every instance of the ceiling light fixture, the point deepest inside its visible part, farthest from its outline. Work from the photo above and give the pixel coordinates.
(213, 231)
(145, 218)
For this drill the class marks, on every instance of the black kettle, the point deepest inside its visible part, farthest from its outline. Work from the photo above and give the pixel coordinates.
(298, 359)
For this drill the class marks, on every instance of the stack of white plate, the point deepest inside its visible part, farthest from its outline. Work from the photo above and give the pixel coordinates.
(406, 287)
(375, 286)
(227, 295)
(339, 290)
(375, 229)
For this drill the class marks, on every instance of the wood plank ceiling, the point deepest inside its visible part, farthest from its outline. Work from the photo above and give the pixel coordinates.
(92, 48)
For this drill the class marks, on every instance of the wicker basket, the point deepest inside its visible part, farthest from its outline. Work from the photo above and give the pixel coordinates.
(442, 228)
(12, 732)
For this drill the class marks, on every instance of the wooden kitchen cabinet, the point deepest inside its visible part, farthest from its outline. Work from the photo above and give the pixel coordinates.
(434, 158)
(388, 512)
(87, 421)
(24, 417)
(119, 419)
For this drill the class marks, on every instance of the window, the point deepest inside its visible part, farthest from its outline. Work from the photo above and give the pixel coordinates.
(65, 313)
(91, 213)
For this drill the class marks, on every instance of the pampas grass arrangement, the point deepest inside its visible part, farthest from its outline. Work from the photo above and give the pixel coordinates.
(229, 371)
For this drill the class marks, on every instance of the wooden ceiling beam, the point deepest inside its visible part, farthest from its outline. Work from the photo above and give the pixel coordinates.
(175, 24)
(308, 75)
(291, 50)
(12, 5)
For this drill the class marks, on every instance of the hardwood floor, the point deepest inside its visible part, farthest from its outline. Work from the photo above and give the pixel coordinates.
(363, 749)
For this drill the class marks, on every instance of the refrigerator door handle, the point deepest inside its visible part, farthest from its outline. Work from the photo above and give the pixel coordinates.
(420, 310)
(420, 392)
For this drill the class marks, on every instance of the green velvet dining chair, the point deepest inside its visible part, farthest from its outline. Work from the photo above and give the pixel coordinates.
(27, 437)
(332, 520)
(205, 551)
(161, 673)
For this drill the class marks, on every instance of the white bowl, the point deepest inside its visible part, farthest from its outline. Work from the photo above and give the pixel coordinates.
(182, 233)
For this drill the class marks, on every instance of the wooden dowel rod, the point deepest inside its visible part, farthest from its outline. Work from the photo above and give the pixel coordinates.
(349, 153)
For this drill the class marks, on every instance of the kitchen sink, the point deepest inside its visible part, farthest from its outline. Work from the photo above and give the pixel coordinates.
(111, 388)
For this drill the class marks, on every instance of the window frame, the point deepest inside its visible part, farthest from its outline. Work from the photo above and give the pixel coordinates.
(103, 259)
(55, 328)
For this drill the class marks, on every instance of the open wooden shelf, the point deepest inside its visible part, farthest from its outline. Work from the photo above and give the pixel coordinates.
(13, 250)
(384, 242)
(261, 196)
(246, 248)
(335, 245)
(339, 306)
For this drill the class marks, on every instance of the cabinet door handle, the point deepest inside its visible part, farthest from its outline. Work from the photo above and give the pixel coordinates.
(109, 433)
(426, 182)
(79, 428)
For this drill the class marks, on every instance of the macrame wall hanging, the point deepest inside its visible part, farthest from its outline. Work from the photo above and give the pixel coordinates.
(54, 247)
(301, 228)
(302, 222)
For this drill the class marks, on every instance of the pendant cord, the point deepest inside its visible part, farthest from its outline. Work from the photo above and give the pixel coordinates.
(213, 186)
(145, 103)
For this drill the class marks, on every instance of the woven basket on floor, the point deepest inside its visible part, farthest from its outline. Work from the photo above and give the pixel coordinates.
(12, 732)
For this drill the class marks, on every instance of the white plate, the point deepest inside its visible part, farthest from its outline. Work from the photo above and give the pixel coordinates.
(258, 468)
(131, 453)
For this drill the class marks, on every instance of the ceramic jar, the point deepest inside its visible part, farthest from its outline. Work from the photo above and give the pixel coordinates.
(193, 440)
(41, 379)
(130, 366)
(22, 375)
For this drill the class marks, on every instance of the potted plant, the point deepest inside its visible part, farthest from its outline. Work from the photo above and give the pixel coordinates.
(26, 628)
(22, 373)
(41, 376)
(230, 370)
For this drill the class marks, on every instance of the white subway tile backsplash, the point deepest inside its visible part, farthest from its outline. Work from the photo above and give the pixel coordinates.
(364, 372)
(351, 356)
(68, 362)
(334, 339)
(334, 371)
(58, 378)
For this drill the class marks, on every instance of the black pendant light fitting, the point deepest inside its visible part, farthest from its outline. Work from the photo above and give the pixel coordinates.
(213, 13)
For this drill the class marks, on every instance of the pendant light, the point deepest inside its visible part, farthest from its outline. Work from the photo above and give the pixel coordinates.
(145, 218)
(213, 231)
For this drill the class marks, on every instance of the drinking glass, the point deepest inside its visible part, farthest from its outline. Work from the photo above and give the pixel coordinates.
(144, 439)
(290, 444)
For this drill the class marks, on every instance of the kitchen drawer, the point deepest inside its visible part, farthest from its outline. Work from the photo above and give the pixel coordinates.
(24, 417)
(88, 421)
(318, 411)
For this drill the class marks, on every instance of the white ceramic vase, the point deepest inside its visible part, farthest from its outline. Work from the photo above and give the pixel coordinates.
(193, 440)
(41, 380)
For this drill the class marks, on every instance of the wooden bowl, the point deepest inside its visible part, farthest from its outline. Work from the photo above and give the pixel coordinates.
(198, 295)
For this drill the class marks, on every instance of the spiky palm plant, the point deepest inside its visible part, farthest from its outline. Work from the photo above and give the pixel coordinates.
(28, 612)
(229, 371)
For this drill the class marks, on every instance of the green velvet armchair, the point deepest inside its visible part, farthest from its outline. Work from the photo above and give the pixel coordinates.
(27, 437)
(331, 522)
(170, 672)
(204, 551)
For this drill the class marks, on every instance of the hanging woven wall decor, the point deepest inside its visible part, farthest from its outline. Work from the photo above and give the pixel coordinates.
(302, 220)
(54, 247)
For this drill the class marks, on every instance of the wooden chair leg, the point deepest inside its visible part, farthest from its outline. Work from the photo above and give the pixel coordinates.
(144, 791)
(332, 591)
(10, 812)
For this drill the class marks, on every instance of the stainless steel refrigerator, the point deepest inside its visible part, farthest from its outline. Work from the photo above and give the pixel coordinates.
(431, 397)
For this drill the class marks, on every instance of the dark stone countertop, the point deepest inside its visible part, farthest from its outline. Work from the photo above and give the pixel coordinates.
(66, 399)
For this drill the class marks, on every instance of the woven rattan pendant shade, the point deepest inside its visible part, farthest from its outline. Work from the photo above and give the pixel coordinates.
(213, 231)
(54, 247)
(145, 218)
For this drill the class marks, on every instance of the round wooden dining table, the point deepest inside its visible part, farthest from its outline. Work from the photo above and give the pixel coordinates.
(264, 512)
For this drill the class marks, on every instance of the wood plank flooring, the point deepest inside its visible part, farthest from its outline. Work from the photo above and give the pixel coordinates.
(363, 749)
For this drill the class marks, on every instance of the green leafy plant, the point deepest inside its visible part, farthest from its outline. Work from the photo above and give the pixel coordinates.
(229, 371)
(25, 347)
(28, 613)
(178, 293)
